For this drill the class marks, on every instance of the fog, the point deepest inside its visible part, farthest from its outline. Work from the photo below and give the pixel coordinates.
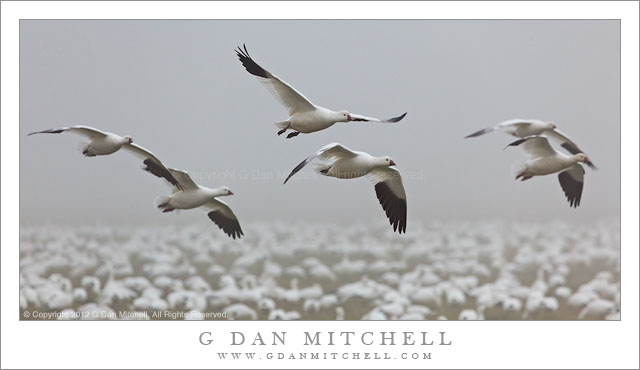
(178, 89)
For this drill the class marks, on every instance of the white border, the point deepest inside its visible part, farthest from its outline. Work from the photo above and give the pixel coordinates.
(173, 344)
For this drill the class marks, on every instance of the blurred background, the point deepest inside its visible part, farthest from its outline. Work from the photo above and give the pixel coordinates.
(178, 89)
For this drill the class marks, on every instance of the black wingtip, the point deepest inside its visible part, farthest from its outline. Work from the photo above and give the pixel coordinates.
(397, 119)
(572, 189)
(297, 169)
(516, 143)
(248, 63)
(50, 131)
(478, 133)
(159, 171)
(394, 207)
(229, 226)
(290, 175)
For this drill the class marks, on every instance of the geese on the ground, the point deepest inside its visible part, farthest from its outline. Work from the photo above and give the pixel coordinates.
(190, 195)
(105, 143)
(240, 311)
(79, 295)
(347, 164)
(375, 315)
(563, 292)
(322, 272)
(266, 305)
(532, 127)
(469, 314)
(580, 299)
(311, 305)
(328, 301)
(597, 309)
(427, 296)
(544, 160)
(304, 116)
(280, 314)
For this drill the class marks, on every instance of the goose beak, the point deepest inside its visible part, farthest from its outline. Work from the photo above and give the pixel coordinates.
(555, 127)
(392, 163)
(350, 118)
(230, 193)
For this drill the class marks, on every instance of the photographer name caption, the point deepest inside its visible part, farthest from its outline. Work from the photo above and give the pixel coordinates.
(380, 345)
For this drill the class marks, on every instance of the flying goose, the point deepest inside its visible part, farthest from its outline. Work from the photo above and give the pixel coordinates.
(347, 164)
(544, 160)
(532, 127)
(193, 195)
(105, 143)
(304, 116)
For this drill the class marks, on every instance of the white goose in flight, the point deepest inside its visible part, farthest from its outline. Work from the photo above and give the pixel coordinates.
(304, 116)
(194, 195)
(533, 127)
(105, 143)
(347, 164)
(544, 160)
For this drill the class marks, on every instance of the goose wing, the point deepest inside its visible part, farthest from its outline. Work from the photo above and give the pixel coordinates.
(568, 144)
(572, 182)
(152, 164)
(284, 93)
(90, 132)
(222, 215)
(512, 122)
(535, 146)
(183, 179)
(330, 151)
(361, 118)
(391, 195)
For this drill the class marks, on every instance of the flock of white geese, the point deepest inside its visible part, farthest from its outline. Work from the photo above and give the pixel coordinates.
(339, 161)
(458, 271)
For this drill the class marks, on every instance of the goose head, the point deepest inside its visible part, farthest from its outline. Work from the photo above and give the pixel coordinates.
(223, 191)
(344, 116)
(581, 157)
(386, 161)
(127, 139)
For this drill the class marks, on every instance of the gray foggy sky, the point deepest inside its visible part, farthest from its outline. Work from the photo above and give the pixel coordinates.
(179, 90)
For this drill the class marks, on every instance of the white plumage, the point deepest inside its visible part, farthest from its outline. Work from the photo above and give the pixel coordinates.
(193, 195)
(347, 164)
(304, 116)
(105, 143)
(544, 160)
(532, 127)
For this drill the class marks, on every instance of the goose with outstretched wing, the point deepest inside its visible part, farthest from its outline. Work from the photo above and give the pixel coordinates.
(191, 195)
(304, 116)
(343, 163)
(544, 160)
(533, 127)
(105, 143)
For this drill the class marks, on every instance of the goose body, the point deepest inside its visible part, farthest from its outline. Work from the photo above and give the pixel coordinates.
(347, 164)
(105, 143)
(533, 127)
(188, 195)
(544, 160)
